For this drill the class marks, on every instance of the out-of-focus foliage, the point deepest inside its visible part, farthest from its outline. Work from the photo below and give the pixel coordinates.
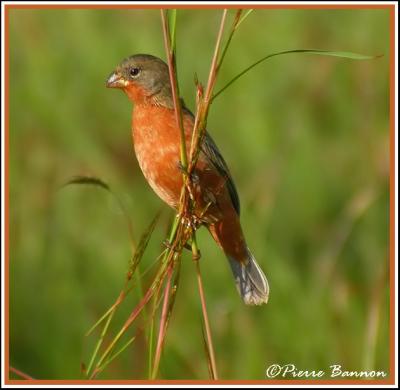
(306, 139)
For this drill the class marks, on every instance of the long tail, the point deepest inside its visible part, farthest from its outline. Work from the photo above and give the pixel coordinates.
(251, 282)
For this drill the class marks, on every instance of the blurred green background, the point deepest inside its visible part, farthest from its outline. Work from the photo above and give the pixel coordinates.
(306, 139)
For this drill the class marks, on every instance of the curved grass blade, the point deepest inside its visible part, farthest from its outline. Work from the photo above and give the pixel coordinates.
(341, 54)
(89, 180)
(97, 182)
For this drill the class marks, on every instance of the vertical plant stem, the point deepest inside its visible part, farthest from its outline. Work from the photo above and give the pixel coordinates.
(214, 64)
(177, 236)
(249, 11)
(172, 24)
(163, 321)
(204, 102)
(210, 347)
(151, 338)
(154, 309)
(233, 29)
(174, 85)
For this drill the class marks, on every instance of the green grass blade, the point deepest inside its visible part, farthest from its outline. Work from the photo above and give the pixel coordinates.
(341, 54)
(111, 358)
(155, 261)
(244, 17)
(174, 290)
(232, 31)
(144, 241)
(172, 27)
(100, 320)
(100, 342)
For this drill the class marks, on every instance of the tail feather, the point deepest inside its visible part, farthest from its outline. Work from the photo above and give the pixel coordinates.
(250, 280)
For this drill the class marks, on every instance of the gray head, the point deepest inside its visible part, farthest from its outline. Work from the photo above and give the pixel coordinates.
(144, 78)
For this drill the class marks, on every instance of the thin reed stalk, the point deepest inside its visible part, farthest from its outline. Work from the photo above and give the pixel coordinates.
(163, 324)
(187, 203)
(207, 328)
(174, 84)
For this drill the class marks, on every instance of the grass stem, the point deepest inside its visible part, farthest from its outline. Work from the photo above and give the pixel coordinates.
(210, 346)
(163, 322)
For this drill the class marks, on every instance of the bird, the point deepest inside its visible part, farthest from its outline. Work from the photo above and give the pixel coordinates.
(156, 138)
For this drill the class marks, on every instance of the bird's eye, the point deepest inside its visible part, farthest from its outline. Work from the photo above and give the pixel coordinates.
(134, 72)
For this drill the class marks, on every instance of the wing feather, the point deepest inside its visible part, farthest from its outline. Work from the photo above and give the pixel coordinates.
(214, 156)
(210, 150)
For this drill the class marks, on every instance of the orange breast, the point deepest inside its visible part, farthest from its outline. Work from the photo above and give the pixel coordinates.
(157, 148)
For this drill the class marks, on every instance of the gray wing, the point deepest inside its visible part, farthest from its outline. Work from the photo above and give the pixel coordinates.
(210, 150)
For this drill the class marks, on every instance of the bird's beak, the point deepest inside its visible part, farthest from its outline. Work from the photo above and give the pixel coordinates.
(116, 80)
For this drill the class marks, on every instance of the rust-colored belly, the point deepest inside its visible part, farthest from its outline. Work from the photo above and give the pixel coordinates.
(157, 148)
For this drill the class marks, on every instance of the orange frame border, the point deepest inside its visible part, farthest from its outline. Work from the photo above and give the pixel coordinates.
(392, 377)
